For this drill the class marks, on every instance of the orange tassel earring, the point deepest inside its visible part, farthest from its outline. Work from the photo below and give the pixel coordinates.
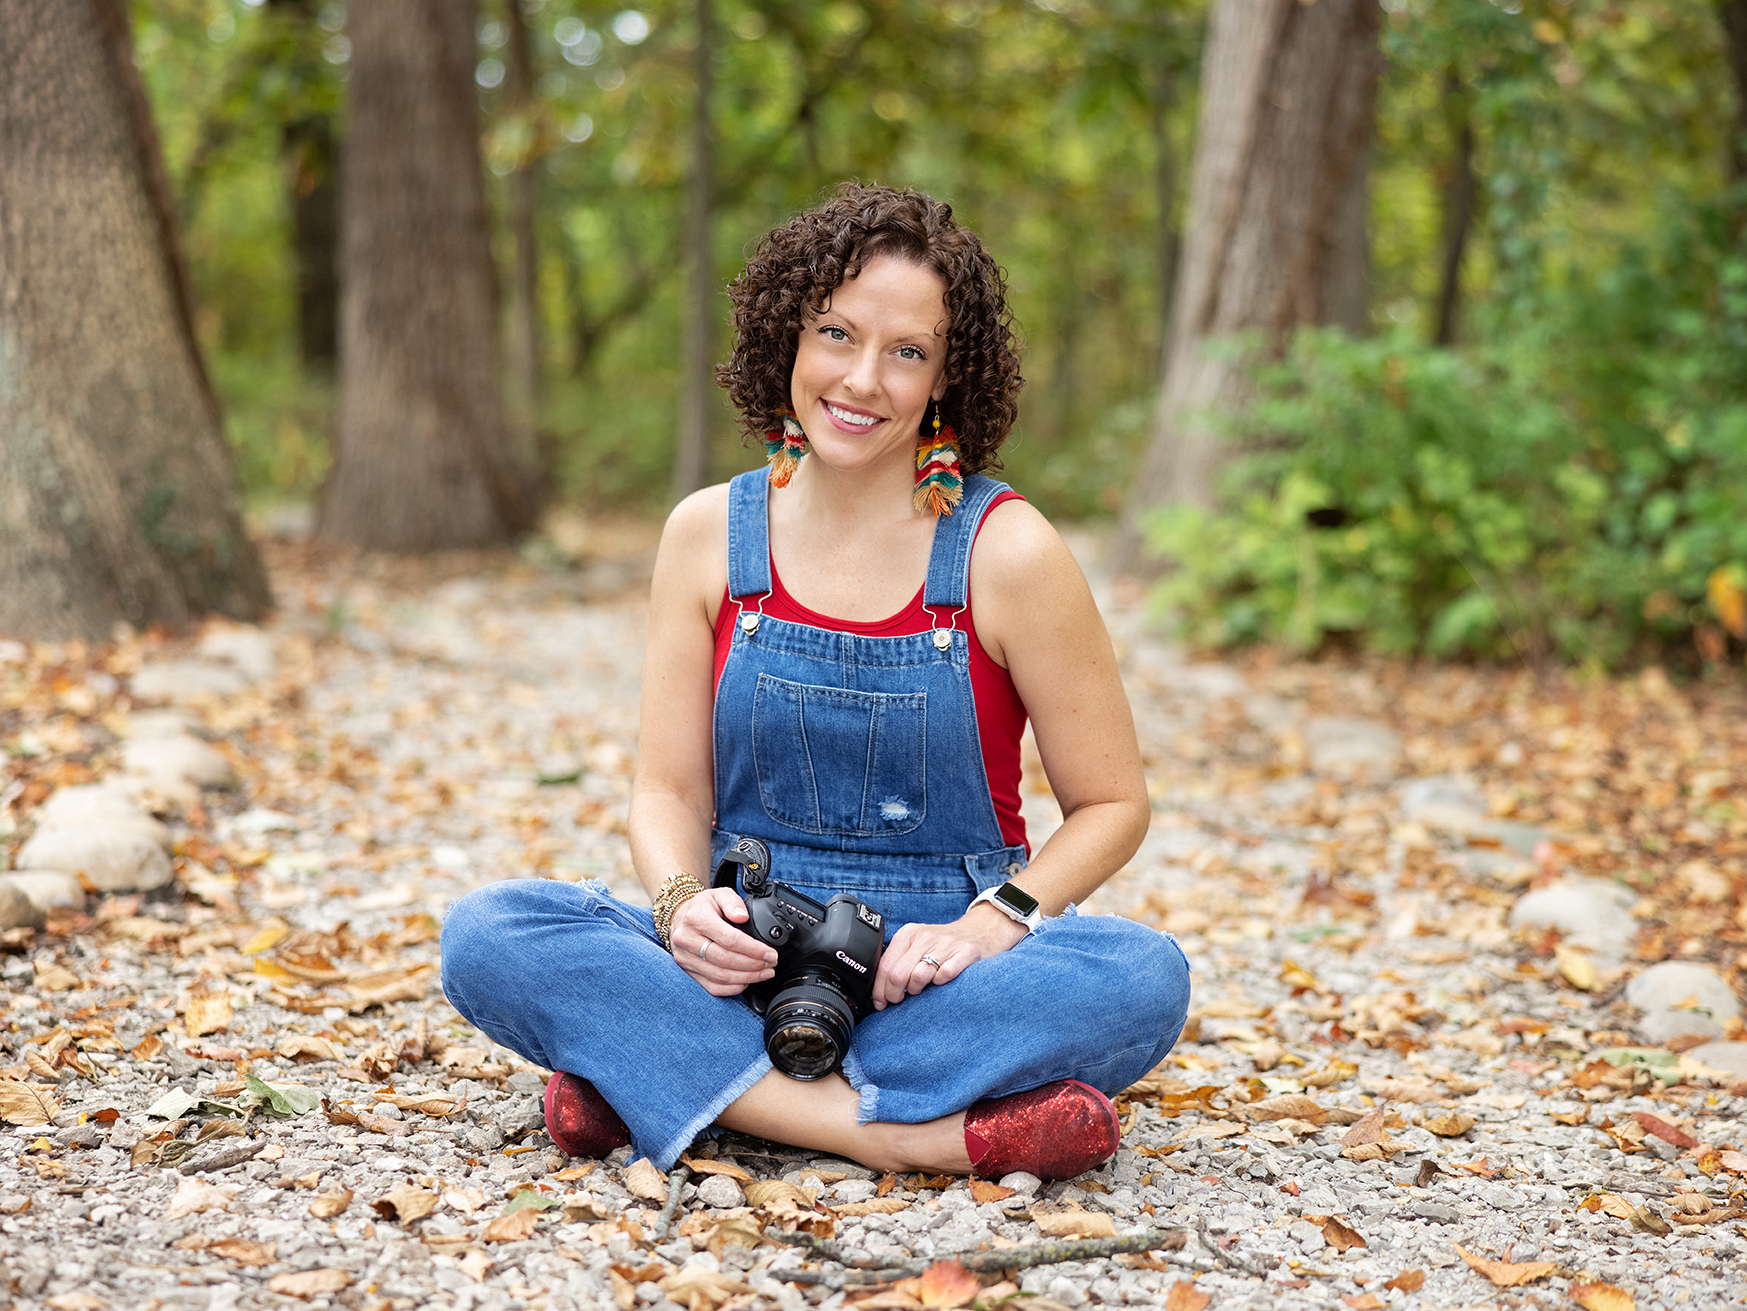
(939, 483)
(784, 449)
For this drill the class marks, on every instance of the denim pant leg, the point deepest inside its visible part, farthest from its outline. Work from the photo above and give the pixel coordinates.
(1089, 997)
(575, 980)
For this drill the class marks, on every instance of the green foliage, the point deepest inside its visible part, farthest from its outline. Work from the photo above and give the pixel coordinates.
(1567, 487)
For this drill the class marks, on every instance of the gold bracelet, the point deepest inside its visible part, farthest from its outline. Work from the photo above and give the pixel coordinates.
(677, 890)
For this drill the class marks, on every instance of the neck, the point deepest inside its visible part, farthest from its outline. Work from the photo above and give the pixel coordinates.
(879, 494)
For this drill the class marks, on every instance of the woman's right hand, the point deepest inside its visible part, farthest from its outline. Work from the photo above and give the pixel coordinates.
(711, 948)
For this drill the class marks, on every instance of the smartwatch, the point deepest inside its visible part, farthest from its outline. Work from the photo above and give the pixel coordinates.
(1015, 903)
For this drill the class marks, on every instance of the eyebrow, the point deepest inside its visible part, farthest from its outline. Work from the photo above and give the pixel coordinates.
(829, 313)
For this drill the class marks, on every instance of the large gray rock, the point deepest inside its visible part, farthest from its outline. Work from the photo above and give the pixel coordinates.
(1588, 912)
(114, 858)
(1729, 1057)
(17, 910)
(157, 723)
(181, 757)
(1347, 747)
(246, 648)
(1660, 991)
(99, 805)
(1454, 805)
(47, 888)
(185, 681)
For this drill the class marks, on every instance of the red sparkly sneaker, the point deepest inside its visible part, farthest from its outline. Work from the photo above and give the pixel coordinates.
(1058, 1131)
(579, 1120)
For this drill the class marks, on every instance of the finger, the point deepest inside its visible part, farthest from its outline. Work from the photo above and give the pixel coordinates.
(923, 973)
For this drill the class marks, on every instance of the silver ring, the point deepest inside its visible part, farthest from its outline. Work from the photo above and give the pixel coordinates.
(704, 951)
(932, 961)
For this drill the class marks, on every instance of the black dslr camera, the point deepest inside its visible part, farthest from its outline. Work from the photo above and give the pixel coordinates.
(826, 957)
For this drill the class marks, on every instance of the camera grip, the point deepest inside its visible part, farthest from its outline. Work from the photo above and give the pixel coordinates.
(746, 861)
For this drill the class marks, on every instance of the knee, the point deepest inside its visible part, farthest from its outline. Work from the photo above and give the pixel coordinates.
(475, 931)
(1152, 978)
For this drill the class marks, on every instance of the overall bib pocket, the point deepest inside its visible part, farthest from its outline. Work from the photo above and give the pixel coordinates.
(837, 762)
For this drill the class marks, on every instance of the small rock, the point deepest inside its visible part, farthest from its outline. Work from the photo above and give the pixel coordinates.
(185, 681)
(47, 888)
(114, 859)
(1306, 1235)
(184, 757)
(17, 910)
(1660, 1026)
(1588, 912)
(854, 1190)
(245, 647)
(1023, 1184)
(1520, 838)
(1067, 1292)
(526, 1082)
(1451, 804)
(157, 723)
(1729, 1057)
(1347, 747)
(1438, 1212)
(720, 1192)
(258, 820)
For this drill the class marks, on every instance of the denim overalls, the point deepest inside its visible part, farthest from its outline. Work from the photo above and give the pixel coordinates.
(856, 759)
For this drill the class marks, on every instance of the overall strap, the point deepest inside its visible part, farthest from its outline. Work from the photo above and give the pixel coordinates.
(949, 564)
(749, 534)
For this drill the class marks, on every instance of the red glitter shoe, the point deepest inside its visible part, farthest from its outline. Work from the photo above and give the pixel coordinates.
(579, 1120)
(1058, 1131)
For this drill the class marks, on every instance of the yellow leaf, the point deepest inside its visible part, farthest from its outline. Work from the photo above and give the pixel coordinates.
(1074, 1224)
(515, 1226)
(328, 1205)
(727, 1168)
(1729, 598)
(1450, 1125)
(1332, 1073)
(1575, 965)
(983, 1191)
(1602, 1297)
(264, 938)
(206, 1014)
(1507, 1274)
(1294, 975)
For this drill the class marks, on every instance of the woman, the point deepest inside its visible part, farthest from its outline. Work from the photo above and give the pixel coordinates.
(834, 670)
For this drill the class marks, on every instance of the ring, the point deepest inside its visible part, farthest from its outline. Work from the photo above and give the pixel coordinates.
(704, 951)
(932, 961)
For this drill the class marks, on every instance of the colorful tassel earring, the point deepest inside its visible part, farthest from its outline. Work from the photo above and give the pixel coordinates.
(939, 484)
(784, 450)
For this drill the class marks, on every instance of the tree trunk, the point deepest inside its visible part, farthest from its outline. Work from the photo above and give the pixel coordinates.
(1458, 194)
(118, 498)
(421, 451)
(1734, 17)
(1165, 189)
(524, 324)
(697, 372)
(1276, 225)
(315, 238)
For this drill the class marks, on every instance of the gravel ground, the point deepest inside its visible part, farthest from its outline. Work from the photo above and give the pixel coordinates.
(1399, 1086)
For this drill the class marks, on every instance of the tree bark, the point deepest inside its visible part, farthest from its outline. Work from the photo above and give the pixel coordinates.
(1276, 235)
(312, 175)
(524, 325)
(1458, 194)
(118, 498)
(697, 372)
(1733, 14)
(422, 459)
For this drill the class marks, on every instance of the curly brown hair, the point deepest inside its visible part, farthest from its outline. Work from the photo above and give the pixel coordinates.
(796, 268)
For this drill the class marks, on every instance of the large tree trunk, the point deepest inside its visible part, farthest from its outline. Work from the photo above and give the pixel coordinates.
(1458, 193)
(1734, 17)
(312, 171)
(697, 381)
(421, 451)
(1276, 226)
(524, 325)
(118, 498)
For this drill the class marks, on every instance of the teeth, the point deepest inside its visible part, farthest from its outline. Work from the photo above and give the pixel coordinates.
(859, 420)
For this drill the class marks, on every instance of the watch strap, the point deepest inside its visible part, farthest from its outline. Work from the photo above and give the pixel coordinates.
(990, 896)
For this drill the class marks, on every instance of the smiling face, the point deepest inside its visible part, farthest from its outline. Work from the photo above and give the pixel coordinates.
(867, 366)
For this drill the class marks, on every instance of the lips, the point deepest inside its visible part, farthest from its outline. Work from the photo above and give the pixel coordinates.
(851, 420)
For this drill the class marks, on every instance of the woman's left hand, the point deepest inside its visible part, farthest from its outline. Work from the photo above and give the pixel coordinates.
(922, 954)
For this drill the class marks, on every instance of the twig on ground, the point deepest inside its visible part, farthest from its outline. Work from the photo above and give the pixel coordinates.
(675, 1183)
(1006, 1258)
(1229, 1260)
(223, 1160)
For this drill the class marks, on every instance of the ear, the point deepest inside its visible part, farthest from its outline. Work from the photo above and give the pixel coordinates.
(939, 392)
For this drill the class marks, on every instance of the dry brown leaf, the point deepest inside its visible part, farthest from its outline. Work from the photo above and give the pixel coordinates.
(1334, 1072)
(738, 1231)
(1450, 1125)
(403, 983)
(1209, 1129)
(405, 1204)
(1375, 1151)
(1507, 1274)
(195, 1194)
(1602, 1297)
(887, 1299)
(1408, 1281)
(309, 1283)
(873, 1206)
(307, 1047)
(1184, 1296)
(984, 1191)
(643, 1180)
(1647, 1221)
(1733, 1161)
(327, 1205)
(1074, 1224)
(1669, 1133)
(1575, 965)
(206, 1013)
(624, 1291)
(475, 1264)
(765, 1192)
(74, 1302)
(464, 1200)
(1609, 1204)
(435, 1105)
(27, 1103)
(55, 978)
(243, 1252)
(689, 1285)
(1367, 1129)
(1229, 1008)
(515, 1226)
(1340, 1235)
(1365, 1302)
(1288, 1106)
(727, 1168)
(947, 1284)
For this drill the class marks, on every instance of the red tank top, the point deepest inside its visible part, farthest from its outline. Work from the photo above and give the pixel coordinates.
(1000, 712)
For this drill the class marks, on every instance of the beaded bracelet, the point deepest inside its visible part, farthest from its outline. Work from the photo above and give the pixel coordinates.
(677, 890)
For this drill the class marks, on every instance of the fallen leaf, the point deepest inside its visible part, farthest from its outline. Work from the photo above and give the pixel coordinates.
(1450, 1125)
(1507, 1274)
(1575, 965)
(1609, 1204)
(27, 1103)
(1288, 1106)
(689, 1285)
(206, 1014)
(309, 1283)
(1368, 1129)
(643, 1180)
(1184, 1296)
(327, 1205)
(947, 1284)
(1733, 1161)
(307, 1047)
(727, 1168)
(983, 1191)
(475, 1264)
(1602, 1297)
(55, 978)
(764, 1192)
(436, 1105)
(243, 1252)
(531, 1197)
(74, 1302)
(1647, 1221)
(1209, 1129)
(283, 1099)
(514, 1226)
(1334, 1072)
(1727, 598)
(403, 983)
(873, 1206)
(738, 1231)
(464, 1200)
(1340, 1235)
(1365, 1302)
(1669, 1133)
(1408, 1281)
(195, 1194)
(1074, 1224)
(405, 1204)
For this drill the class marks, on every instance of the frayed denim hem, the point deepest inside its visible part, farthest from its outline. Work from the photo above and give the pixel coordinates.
(715, 1106)
(868, 1110)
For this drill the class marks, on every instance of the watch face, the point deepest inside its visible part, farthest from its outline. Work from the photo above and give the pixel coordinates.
(1018, 898)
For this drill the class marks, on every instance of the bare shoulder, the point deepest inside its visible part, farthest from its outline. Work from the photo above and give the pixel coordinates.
(693, 560)
(1018, 551)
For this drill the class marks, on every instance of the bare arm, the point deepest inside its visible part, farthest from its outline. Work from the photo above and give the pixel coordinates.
(1035, 615)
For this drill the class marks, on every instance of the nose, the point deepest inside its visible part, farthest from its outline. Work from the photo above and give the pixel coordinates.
(863, 377)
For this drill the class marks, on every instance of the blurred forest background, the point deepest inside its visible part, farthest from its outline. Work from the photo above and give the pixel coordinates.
(1523, 432)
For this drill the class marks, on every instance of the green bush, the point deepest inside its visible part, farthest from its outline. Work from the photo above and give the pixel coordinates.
(1568, 488)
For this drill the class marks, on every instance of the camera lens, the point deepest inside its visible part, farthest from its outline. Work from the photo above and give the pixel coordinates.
(807, 1028)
